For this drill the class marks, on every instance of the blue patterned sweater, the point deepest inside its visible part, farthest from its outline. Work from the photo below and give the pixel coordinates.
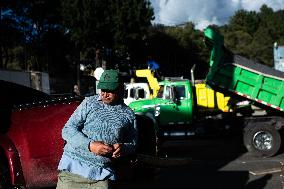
(95, 121)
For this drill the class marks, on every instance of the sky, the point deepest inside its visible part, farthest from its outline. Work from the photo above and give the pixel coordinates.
(205, 12)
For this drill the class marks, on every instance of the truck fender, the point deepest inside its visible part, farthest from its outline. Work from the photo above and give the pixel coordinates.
(153, 119)
(14, 164)
(148, 115)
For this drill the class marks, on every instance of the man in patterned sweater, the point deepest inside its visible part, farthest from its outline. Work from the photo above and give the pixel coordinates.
(101, 129)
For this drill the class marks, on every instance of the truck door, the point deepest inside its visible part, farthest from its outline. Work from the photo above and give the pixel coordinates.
(175, 109)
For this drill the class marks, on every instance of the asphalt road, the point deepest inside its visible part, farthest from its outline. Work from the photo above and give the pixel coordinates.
(209, 163)
(201, 163)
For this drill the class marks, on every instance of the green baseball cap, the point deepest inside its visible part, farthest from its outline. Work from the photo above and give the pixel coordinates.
(109, 80)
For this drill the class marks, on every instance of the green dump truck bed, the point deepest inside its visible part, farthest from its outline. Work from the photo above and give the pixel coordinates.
(241, 76)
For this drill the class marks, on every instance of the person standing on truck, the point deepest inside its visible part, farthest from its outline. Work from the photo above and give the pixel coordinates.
(100, 130)
(76, 90)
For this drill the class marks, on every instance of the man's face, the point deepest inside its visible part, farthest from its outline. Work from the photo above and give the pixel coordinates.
(110, 96)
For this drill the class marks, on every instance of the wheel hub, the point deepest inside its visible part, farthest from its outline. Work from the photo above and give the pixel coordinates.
(263, 140)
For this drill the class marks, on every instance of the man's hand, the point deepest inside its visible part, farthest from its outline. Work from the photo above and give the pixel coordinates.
(100, 148)
(117, 150)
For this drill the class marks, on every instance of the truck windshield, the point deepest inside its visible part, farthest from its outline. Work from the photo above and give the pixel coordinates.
(160, 92)
(180, 92)
(132, 93)
(141, 93)
(167, 92)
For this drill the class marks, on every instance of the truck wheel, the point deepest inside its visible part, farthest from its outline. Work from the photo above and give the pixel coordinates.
(262, 140)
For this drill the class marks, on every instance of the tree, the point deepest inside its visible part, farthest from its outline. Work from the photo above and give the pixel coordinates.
(177, 49)
(246, 21)
(10, 37)
(32, 19)
(131, 20)
(239, 41)
(252, 34)
(106, 24)
(88, 22)
(191, 49)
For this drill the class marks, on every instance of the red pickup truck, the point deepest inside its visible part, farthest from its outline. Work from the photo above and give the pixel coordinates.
(30, 136)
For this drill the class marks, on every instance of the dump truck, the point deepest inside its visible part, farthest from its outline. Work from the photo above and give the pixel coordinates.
(181, 108)
(140, 90)
(135, 91)
(152, 80)
(261, 85)
(244, 96)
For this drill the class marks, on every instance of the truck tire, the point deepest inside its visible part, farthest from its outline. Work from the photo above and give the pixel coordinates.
(262, 140)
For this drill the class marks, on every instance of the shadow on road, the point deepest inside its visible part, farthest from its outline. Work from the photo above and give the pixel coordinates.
(199, 176)
(204, 170)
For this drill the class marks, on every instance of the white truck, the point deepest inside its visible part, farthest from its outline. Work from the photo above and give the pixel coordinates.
(278, 52)
(136, 91)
